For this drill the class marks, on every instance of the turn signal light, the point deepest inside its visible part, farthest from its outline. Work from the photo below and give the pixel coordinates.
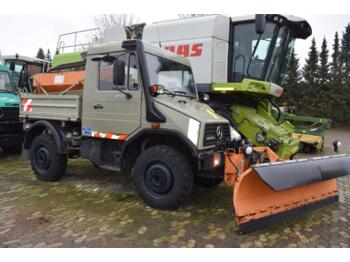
(216, 160)
(154, 89)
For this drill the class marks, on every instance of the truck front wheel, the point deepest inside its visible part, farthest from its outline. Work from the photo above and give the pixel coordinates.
(163, 177)
(47, 164)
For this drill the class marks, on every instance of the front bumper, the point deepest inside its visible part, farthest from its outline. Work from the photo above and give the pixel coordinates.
(11, 139)
(11, 133)
(210, 160)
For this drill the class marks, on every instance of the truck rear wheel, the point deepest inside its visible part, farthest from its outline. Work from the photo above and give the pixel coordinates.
(163, 177)
(47, 164)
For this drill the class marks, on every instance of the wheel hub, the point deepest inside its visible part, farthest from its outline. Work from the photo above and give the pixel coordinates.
(43, 158)
(159, 179)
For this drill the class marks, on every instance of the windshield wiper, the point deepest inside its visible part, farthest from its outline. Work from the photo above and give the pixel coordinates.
(183, 93)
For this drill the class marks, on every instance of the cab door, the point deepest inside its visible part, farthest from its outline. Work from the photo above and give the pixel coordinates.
(114, 114)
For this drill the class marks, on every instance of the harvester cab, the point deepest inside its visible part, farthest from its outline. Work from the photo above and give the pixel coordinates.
(22, 69)
(241, 63)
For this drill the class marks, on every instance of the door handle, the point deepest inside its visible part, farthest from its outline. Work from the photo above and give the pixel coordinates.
(98, 106)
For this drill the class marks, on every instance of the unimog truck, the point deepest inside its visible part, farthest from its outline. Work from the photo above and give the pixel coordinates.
(138, 112)
(11, 133)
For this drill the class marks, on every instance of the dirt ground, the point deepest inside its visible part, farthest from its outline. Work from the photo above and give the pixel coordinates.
(94, 208)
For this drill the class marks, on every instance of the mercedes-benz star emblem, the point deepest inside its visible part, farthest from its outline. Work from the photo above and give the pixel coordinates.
(219, 132)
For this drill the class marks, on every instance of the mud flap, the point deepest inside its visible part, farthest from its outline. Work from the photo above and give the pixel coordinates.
(289, 174)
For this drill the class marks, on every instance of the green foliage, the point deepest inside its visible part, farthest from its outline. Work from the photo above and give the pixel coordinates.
(324, 88)
(40, 54)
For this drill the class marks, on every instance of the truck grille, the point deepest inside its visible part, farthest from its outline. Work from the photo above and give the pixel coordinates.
(10, 127)
(216, 134)
(9, 113)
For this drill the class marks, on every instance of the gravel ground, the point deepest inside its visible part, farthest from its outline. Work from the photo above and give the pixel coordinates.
(94, 208)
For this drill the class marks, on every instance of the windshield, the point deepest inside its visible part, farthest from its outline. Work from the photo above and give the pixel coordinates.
(271, 57)
(15, 65)
(282, 52)
(5, 82)
(175, 77)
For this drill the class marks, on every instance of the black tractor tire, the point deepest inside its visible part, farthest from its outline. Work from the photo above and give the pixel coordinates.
(47, 164)
(207, 182)
(308, 149)
(12, 149)
(163, 177)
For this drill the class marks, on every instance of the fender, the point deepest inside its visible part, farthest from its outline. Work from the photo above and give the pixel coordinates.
(38, 127)
(149, 131)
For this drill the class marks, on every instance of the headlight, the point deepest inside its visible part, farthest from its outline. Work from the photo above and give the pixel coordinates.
(235, 136)
(260, 137)
(248, 150)
(193, 131)
(216, 160)
(336, 146)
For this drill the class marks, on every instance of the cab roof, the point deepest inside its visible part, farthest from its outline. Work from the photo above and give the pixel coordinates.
(117, 46)
(24, 58)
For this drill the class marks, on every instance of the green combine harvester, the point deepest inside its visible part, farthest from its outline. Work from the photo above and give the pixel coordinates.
(309, 130)
(239, 65)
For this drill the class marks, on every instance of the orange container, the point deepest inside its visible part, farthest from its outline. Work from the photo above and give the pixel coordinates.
(58, 82)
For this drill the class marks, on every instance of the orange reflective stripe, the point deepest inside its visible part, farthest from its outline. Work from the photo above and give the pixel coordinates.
(122, 137)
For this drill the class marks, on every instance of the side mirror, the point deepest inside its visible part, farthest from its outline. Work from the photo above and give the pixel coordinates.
(105, 58)
(118, 72)
(260, 23)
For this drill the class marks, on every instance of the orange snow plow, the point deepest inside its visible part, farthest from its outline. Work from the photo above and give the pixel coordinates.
(267, 190)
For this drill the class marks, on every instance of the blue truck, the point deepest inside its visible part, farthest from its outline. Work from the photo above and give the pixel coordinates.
(11, 132)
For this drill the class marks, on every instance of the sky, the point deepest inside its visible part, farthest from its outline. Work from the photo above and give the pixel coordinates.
(24, 34)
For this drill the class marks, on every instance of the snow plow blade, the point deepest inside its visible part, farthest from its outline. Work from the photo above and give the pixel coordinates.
(268, 193)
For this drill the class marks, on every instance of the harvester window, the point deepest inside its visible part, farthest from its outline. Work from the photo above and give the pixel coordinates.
(245, 40)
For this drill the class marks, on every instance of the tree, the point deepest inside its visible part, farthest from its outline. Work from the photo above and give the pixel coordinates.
(292, 82)
(345, 63)
(40, 54)
(310, 74)
(310, 69)
(48, 55)
(322, 87)
(345, 56)
(323, 72)
(336, 63)
(106, 21)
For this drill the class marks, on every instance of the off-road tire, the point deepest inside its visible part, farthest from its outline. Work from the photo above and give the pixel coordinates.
(171, 165)
(54, 166)
(12, 149)
(207, 182)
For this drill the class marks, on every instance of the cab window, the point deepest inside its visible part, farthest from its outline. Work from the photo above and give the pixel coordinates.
(131, 82)
(5, 82)
(106, 74)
